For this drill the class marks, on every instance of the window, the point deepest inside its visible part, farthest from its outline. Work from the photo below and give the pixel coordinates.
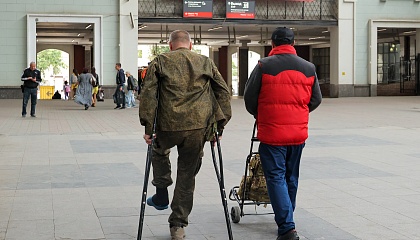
(388, 63)
(321, 60)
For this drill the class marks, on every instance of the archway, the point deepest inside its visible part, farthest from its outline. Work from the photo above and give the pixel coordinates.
(54, 66)
(89, 21)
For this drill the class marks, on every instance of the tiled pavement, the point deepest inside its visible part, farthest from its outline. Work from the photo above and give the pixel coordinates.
(76, 174)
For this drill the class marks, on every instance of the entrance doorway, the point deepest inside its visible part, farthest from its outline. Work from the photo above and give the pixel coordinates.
(46, 31)
(253, 58)
(54, 67)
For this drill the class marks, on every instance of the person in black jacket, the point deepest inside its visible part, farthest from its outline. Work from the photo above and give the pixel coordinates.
(119, 92)
(31, 78)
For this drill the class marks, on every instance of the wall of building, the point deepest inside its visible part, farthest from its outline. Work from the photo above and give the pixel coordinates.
(13, 40)
(383, 10)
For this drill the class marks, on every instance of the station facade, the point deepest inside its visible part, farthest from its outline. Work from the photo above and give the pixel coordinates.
(360, 48)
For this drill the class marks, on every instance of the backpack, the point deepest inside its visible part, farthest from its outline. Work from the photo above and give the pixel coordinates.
(95, 81)
(68, 89)
(135, 83)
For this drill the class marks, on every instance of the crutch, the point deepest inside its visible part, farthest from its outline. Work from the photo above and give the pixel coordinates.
(147, 171)
(220, 179)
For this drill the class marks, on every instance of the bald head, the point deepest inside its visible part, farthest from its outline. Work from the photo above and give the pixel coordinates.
(180, 39)
(32, 66)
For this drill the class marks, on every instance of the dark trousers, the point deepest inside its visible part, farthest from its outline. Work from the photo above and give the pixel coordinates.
(32, 93)
(190, 152)
(281, 171)
(120, 94)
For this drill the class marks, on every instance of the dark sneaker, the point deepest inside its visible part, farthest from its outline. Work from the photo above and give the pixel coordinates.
(117, 107)
(33, 115)
(150, 202)
(290, 235)
(122, 108)
(177, 233)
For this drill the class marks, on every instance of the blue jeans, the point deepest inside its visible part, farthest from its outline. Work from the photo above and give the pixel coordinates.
(281, 170)
(29, 92)
(130, 101)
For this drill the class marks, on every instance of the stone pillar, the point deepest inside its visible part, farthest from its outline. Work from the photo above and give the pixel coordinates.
(342, 52)
(267, 50)
(418, 60)
(417, 41)
(243, 66)
(88, 57)
(128, 23)
(223, 62)
(214, 55)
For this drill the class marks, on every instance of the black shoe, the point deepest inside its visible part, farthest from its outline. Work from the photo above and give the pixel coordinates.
(23, 115)
(290, 235)
(150, 202)
(33, 115)
(117, 107)
(86, 107)
(122, 108)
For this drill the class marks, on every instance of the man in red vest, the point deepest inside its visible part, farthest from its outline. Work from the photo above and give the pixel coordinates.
(281, 91)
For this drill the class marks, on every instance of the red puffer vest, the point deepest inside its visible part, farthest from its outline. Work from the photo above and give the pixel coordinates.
(286, 90)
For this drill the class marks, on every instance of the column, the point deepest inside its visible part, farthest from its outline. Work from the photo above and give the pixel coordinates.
(243, 66)
(223, 62)
(417, 41)
(88, 57)
(267, 50)
(214, 55)
(128, 35)
(342, 53)
(418, 60)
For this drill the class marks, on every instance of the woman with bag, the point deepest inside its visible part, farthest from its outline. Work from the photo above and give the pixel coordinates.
(84, 89)
(95, 85)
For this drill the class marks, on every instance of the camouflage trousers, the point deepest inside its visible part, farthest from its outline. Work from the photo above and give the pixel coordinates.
(190, 152)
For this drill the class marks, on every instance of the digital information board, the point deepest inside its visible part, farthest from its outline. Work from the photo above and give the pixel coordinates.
(240, 9)
(198, 9)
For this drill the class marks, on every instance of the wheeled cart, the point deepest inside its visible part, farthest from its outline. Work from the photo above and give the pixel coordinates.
(253, 189)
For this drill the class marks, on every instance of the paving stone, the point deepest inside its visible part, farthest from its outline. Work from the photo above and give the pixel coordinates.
(75, 174)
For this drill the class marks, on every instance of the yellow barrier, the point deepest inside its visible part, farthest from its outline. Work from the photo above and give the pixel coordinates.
(46, 92)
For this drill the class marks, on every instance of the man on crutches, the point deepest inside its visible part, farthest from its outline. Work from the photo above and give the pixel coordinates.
(193, 98)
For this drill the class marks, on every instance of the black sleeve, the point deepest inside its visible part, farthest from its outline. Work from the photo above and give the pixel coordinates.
(316, 97)
(38, 76)
(252, 90)
(25, 75)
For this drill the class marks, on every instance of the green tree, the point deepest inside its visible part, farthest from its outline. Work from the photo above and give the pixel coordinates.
(156, 50)
(234, 69)
(50, 58)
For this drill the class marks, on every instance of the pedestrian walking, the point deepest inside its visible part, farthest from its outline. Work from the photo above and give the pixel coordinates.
(119, 94)
(281, 91)
(131, 88)
(192, 97)
(66, 90)
(84, 89)
(73, 82)
(95, 85)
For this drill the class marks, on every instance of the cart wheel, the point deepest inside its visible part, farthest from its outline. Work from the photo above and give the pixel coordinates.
(235, 214)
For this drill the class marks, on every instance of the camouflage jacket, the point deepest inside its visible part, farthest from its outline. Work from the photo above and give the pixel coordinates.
(193, 94)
